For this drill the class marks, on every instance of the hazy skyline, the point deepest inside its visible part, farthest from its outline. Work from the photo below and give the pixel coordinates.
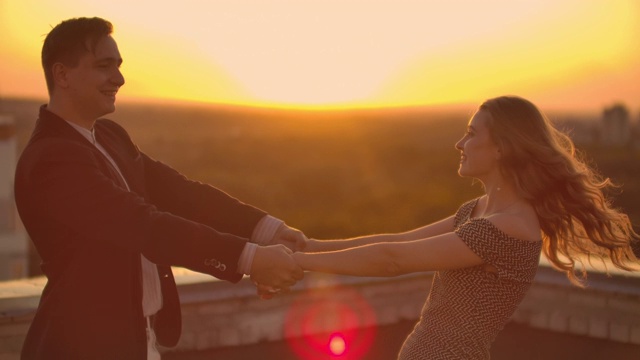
(561, 54)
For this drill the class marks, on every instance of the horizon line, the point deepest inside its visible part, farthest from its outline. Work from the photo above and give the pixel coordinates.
(265, 106)
(459, 106)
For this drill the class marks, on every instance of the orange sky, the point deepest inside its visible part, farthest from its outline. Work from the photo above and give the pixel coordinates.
(561, 54)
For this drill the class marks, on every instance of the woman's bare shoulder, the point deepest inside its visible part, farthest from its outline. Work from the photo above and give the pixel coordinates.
(520, 223)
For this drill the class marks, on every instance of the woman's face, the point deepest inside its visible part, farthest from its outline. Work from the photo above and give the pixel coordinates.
(478, 153)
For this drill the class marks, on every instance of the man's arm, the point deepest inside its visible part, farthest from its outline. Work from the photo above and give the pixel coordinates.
(63, 184)
(199, 202)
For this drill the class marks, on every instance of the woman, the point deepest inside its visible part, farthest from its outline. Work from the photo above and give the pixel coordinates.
(538, 196)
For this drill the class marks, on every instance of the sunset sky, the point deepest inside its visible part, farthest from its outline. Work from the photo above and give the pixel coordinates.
(561, 54)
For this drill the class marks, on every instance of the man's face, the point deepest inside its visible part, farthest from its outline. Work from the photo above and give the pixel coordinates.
(93, 84)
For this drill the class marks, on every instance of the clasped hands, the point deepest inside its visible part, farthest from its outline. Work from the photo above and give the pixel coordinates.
(273, 269)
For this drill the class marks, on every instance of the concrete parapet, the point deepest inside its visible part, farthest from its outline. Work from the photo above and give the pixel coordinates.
(606, 309)
(219, 314)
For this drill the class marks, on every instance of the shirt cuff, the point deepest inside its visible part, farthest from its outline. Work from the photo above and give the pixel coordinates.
(246, 258)
(265, 230)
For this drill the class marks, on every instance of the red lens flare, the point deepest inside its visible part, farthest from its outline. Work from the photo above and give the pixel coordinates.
(337, 345)
(330, 323)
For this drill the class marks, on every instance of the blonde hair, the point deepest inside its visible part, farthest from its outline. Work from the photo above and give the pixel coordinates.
(576, 218)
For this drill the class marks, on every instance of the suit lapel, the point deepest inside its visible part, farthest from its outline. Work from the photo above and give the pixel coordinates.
(117, 158)
(128, 163)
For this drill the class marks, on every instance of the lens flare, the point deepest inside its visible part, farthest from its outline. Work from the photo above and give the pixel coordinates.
(337, 345)
(330, 322)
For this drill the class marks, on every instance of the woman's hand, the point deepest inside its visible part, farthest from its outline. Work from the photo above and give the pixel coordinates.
(298, 258)
(290, 237)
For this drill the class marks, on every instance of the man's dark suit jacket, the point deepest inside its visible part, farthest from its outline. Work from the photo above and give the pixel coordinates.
(90, 232)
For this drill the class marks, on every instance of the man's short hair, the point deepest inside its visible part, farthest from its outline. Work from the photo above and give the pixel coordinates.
(69, 40)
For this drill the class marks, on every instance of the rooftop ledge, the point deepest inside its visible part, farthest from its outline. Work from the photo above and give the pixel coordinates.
(220, 314)
(22, 296)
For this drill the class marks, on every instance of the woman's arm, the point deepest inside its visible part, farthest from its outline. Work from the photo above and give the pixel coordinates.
(441, 252)
(437, 228)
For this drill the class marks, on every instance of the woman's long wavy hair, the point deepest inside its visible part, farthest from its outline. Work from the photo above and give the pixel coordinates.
(577, 219)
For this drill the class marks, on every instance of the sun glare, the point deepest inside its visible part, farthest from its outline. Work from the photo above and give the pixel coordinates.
(536, 53)
(339, 54)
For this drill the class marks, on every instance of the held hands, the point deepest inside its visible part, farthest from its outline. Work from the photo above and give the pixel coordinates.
(290, 237)
(273, 268)
(293, 240)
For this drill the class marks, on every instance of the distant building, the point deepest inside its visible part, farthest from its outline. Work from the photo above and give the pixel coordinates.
(616, 126)
(581, 131)
(13, 239)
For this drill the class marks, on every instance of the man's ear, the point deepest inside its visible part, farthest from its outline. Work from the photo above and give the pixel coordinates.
(60, 75)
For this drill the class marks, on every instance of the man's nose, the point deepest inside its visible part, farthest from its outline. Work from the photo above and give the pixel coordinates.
(118, 78)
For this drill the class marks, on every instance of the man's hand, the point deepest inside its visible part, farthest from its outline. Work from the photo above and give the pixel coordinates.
(292, 238)
(274, 267)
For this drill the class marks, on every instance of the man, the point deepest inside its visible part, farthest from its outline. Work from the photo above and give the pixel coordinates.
(109, 221)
